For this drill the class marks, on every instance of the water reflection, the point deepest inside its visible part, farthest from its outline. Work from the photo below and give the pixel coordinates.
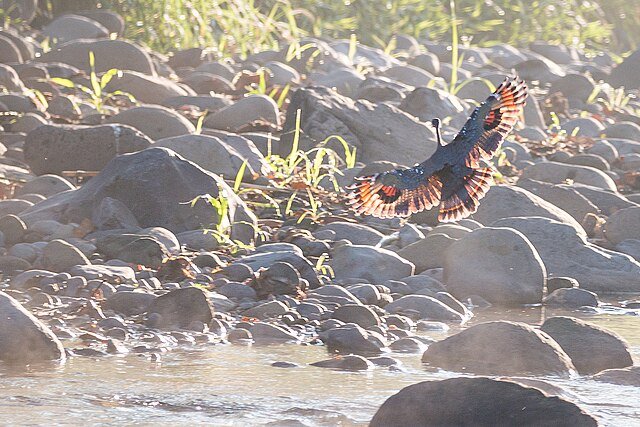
(236, 385)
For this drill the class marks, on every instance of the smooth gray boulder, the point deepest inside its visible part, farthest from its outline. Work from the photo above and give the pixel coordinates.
(371, 264)
(566, 252)
(498, 264)
(23, 338)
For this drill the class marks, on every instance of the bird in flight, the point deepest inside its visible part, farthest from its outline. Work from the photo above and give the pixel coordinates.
(452, 177)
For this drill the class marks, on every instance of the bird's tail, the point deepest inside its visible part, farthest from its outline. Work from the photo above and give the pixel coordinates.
(460, 197)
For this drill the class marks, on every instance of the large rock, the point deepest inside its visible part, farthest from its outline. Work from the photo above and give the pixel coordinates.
(60, 256)
(499, 348)
(591, 348)
(118, 54)
(300, 263)
(23, 338)
(428, 252)
(145, 88)
(566, 252)
(379, 131)
(73, 27)
(626, 73)
(177, 309)
(426, 307)
(504, 201)
(607, 201)
(53, 148)
(427, 103)
(247, 111)
(374, 265)
(9, 79)
(498, 264)
(154, 121)
(155, 199)
(351, 338)
(481, 402)
(216, 155)
(563, 196)
(623, 224)
(558, 173)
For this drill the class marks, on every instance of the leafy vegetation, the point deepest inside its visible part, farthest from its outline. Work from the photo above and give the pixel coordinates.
(241, 27)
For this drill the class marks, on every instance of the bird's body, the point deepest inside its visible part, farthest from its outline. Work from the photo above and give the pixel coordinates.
(452, 176)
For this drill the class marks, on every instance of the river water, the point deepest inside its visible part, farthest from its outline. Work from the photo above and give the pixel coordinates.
(231, 385)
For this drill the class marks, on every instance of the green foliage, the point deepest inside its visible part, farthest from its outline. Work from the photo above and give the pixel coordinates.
(242, 27)
(96, 89)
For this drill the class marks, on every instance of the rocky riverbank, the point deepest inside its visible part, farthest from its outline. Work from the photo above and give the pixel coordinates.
(127, 258)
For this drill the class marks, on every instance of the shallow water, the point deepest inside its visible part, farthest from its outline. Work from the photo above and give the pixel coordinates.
(230, 385)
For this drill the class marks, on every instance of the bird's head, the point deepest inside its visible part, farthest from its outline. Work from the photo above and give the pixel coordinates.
(436, 124)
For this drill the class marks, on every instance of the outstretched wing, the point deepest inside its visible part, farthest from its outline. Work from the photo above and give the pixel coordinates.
(399, 192)
(491, 122)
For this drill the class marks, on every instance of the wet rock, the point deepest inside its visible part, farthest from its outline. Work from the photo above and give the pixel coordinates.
(155, 121)
(350, 362)
(215, 155)
(129, 303)
(379, 131)
(146, 88)
(509, 201)
(351, 338)
(558, 173)
(71, 27)
(493, 402)
(424, 307)
(499, 348)
(500, 265)
(119, 54)
(254, 109)
(358, 234)
(358, 314)
(60, 256)
(571, 298)
(590, 160)
(24, 339)
(407, 345)
(623, 224)
(628, 376)
(344, 81)
(155, 200)
(179, 308)
(116, 347)
(113, 22)
(374, 265)
(239, 335)
(539, 68)
(563, 196)
(281, 278)
(566, 252)
(53, 149)
(591, 348)
(265, 333)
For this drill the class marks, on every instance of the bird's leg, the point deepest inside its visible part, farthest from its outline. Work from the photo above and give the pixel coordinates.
(436, 124)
